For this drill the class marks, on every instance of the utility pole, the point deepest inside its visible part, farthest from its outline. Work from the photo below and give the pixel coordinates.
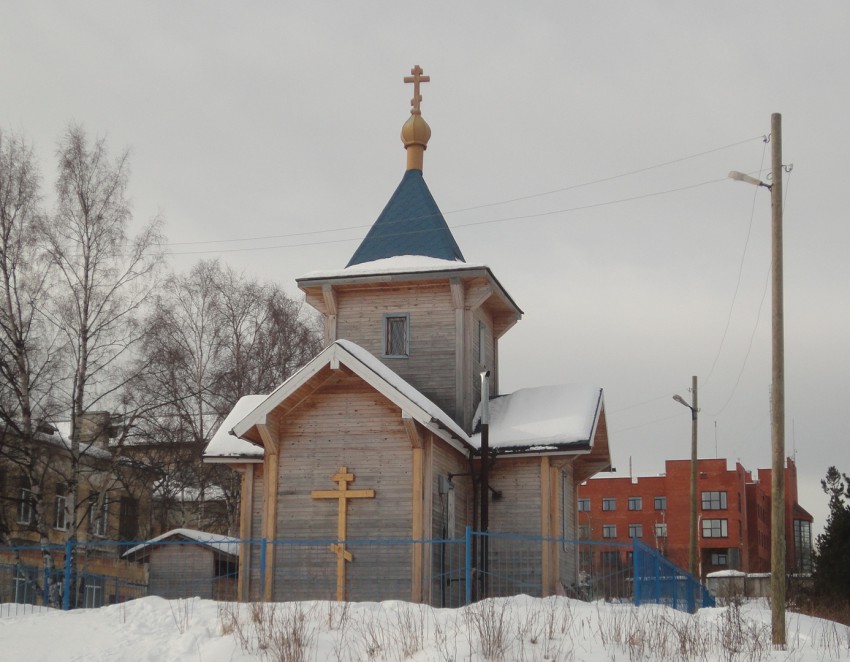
(777, 409)
(777, 390)
(692, 544)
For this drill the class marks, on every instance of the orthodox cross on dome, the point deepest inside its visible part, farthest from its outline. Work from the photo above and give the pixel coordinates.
(342, 494)
(416, 78)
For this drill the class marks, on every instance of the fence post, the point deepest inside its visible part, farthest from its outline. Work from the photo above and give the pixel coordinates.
(636, 552)
(66, 580)
(468, 564)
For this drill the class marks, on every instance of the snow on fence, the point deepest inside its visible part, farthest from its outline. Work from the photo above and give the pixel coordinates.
(455, 571)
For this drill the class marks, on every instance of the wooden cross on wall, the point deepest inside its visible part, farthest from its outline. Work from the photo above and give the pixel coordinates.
(416, 78)
(342, 494)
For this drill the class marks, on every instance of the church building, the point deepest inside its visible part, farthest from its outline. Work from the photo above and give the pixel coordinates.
(380, 436)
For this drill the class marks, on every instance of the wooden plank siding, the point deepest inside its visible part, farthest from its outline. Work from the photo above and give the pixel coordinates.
(343, 423)
(430, 366)
(447, 560)
(181, 571)
(518, 511)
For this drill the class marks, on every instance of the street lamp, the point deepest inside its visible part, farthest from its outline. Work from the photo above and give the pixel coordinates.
(692, 545)
(777, 409)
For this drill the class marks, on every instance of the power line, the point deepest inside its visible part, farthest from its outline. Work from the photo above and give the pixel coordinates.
(482, 206)
(505, 219)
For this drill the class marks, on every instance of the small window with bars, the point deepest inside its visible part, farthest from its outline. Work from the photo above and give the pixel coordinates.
(397, 335)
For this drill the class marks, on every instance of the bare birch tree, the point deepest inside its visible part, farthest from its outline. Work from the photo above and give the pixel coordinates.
(216, 337)
(104, 277)
(29, 347)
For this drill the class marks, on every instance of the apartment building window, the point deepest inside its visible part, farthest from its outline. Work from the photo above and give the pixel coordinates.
(128, 519)
(635, 503)
(715, 528)
(397, 335)
(583, 505)
(60, 509)
(609, 530)
(609, 503)
(719, 559)
(661, 530)
(26, 506)
(803, 545)
(99, 517)
(635, 530)
(660, 503)
(714, 500)
(584, 532)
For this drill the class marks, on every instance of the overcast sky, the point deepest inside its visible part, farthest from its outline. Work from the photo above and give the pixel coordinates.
(252, 124)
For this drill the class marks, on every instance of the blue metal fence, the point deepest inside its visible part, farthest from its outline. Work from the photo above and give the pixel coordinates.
(457, 571)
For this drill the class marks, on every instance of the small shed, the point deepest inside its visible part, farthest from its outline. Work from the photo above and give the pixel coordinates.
(184, 563)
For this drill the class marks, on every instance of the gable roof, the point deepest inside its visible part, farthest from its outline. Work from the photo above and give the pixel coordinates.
(373, 372)
(410, 224)
(217, 542)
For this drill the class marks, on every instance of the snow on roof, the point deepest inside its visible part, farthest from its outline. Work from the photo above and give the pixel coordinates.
(727, 573)
(226, 444)
(542, 418)
(392, 265)
(62, 437)
(224, 544)
(257, 409)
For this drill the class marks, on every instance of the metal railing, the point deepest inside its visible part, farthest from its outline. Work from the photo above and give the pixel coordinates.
(451, 572)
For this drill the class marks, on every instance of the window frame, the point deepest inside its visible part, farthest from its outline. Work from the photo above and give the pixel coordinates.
(635, 530)
(26, 506)
(60, 512)
(714, 500)
(662, 500)
(583, 501)
(609, 504)
(661, 529)
(635, 500)
(719, 558)
(482, 343)
(99, 522)
(710, 525)
(609, 530)
(386, 335)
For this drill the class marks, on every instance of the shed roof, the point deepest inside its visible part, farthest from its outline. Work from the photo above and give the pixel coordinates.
(544, 418)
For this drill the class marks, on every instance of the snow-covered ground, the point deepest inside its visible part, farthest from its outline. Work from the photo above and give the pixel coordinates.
(519, 628)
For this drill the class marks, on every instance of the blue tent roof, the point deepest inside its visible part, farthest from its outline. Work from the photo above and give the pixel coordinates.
(411, 224)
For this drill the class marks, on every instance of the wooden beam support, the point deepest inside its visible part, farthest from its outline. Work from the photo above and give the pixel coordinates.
(458, 297)
(329, 296)
(243, 582)
(418, 496)
(545, 522)
(270, 489)
(478, 296)
(414, 433)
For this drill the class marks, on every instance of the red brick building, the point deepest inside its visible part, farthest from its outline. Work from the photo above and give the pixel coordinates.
(733, 512)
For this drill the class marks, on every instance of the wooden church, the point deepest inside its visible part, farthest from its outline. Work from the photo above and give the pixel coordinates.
(379, 436)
